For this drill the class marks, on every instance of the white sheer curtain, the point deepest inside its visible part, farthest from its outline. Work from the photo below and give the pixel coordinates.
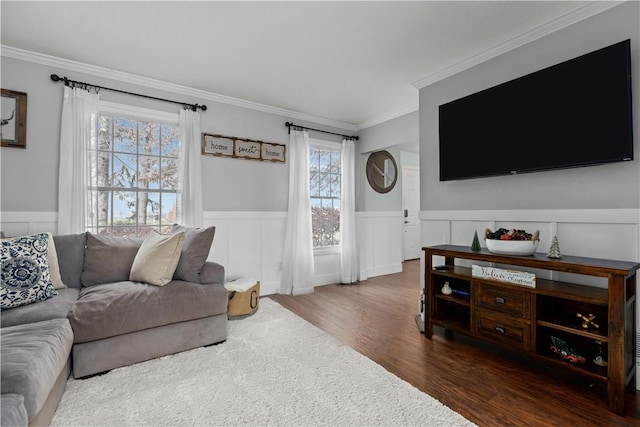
(349, 266)
(190, 178)
(297, 265)
(77, 133)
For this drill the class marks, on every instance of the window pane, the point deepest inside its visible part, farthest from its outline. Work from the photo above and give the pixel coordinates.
(324, 184)
(325, 161)
(327, 204)
(314, 160)
(335, 162)
(169, 174)
(144, 231)
(149, 134)
(122, 231)
(103, 168)
(125, 138)
(103, 213)
(149, 172)
(316, 227)
(124, 208)
(169, 209)
(314, 184)
(335, 186)
(124, 170)
(105, 135)
(170, 138)
(148, 208)
(104, 231)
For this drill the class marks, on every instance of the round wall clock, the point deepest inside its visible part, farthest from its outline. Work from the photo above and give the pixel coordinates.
(382, 171)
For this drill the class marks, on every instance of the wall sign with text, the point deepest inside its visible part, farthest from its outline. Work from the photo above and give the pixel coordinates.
(239, 148)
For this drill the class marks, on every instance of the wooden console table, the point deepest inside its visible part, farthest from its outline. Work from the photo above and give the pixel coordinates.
(526, 318)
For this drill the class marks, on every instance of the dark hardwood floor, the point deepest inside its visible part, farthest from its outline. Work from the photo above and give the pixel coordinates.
(486, 385)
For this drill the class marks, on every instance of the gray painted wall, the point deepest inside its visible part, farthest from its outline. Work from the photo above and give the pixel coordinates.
(613, 186)
(397, 136)
(30, 177)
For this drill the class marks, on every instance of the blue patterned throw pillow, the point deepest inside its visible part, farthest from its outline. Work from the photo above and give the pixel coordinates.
(24, 269)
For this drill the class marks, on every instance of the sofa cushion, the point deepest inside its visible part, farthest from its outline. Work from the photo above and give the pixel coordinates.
(212, 272)
(157, 258)
(25, 271)
(108, 259)
(195, 250)
(118, 308)
(70, 251)
(13, 411)
(33, 355)
(53, 308)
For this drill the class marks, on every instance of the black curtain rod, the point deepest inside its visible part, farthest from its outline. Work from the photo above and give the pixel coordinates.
(289, 125)
(68, 82)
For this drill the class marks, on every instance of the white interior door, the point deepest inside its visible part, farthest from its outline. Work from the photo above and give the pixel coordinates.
(410, 209)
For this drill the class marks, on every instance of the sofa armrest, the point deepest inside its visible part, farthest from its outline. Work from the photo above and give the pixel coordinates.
(212, 272)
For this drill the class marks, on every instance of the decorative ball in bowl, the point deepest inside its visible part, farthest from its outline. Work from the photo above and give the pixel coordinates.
(512, 242)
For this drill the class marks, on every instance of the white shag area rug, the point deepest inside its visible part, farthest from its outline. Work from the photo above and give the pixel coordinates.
(275, 369)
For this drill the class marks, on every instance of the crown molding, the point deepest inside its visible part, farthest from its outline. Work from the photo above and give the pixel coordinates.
(552, 26)
(56, 62)
(387, 117)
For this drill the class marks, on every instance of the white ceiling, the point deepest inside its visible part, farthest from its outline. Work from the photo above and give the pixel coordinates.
(349, 62)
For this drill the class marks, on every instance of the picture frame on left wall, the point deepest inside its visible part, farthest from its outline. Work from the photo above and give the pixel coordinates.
(13, 111)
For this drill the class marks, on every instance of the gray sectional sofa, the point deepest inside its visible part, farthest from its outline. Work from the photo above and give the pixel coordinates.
(102, 320)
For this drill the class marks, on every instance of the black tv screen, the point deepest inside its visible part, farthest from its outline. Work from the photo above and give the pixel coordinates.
(576, 113)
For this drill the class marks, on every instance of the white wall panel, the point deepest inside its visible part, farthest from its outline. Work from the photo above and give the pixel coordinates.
(21, 223)
(250, 244)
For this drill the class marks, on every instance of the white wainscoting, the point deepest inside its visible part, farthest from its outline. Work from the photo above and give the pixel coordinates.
(250, 244)
(379, 237)
(598, 233)
(21, 223)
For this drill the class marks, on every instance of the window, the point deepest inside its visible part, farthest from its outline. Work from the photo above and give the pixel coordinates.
(134, 173)
(324, 186)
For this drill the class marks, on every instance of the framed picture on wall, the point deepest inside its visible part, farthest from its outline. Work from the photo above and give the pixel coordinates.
(14, 119)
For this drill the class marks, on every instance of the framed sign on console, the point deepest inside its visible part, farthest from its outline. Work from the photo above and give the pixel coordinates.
(241, 148)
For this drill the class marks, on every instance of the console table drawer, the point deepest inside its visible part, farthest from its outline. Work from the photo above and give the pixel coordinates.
(505, 300)
(514, 333)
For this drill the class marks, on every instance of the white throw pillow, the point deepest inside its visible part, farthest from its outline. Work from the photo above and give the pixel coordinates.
(54, 267)
(157, 258)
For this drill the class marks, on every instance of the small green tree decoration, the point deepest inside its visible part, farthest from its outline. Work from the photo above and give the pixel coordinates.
(475, 245)
(554, 249)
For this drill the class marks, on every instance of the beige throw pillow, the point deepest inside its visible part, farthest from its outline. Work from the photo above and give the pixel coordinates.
(54, 268)
(157, 258)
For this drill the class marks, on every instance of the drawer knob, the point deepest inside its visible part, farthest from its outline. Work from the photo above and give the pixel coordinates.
(500, 300)
(500, 330)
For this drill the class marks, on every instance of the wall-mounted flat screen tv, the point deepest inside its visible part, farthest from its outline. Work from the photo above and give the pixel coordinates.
(576, 113)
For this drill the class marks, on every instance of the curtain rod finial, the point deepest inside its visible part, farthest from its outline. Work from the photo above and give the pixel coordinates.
(55, 77)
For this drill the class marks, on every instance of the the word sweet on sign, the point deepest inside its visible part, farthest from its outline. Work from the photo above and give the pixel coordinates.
(240, 148)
